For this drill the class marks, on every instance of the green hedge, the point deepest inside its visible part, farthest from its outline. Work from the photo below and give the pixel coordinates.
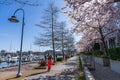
(100, 54)
(59, 59)
(96, 53)
(86, 53)
(114, 53)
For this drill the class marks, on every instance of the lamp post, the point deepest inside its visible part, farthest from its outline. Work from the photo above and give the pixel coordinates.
(14, 19)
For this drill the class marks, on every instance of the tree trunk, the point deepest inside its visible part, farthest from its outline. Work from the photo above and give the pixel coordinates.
(62, 44)
(53, 44)
(106, 61)
(103, 41)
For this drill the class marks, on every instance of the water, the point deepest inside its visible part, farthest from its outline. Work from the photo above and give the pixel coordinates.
(6, 64)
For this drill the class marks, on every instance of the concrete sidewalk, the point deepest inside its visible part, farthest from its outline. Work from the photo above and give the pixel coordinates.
(56, 69)
(101, 72)
(104, 73)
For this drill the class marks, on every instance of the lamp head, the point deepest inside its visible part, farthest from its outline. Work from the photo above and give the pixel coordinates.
(13, 19)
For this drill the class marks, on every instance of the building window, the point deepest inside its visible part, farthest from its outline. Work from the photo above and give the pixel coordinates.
(112, 43)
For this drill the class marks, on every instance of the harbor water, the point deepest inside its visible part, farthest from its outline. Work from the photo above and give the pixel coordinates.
(7, 64)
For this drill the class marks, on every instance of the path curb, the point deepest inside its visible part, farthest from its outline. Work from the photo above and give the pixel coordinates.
(88, 74)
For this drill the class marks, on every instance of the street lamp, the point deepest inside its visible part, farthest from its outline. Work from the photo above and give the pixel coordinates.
(14, 19)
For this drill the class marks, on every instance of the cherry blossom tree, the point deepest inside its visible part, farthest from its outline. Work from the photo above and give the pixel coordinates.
(86, 42)
(92, 17)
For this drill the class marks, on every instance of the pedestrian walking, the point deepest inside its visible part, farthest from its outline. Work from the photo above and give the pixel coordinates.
(49, 61)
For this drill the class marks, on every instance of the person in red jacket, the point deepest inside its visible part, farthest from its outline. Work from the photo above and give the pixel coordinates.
(49, 61)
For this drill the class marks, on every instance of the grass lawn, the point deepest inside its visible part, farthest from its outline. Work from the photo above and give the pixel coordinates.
(25, 73)
(81, 77)
(27, 70)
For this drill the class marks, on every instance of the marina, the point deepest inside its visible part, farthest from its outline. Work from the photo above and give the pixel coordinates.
(7, 64)
(14, 61)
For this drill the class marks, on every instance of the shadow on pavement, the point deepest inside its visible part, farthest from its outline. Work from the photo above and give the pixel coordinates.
(70, 63)
(37, 73)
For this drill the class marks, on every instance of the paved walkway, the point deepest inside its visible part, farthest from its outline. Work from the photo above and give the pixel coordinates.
(104, 73)
(101, 72)
(57, 70)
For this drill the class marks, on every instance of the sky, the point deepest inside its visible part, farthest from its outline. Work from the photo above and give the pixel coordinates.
(10, 33)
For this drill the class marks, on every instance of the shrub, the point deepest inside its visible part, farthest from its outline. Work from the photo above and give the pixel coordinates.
(114, 53)
(71, 55)
(44, 67)
(88, 53)
(78, 53)
(59, 59)
(82, 77)
(103, 56)
(42, 63)
(99, 52)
